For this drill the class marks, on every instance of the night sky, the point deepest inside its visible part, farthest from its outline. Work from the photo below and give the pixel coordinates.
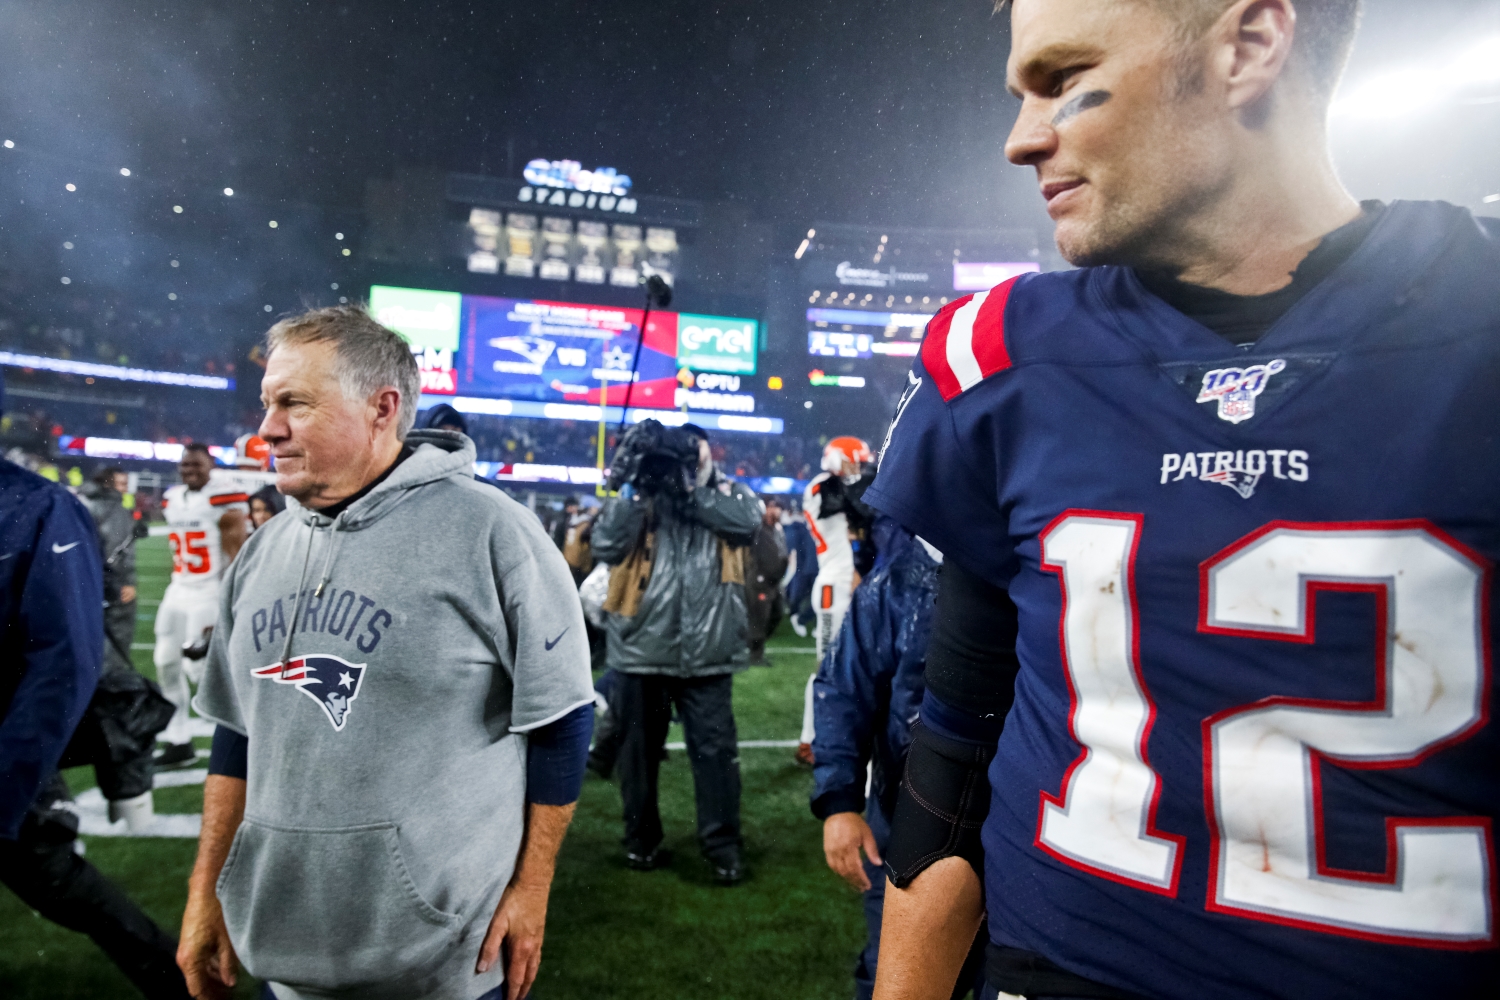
(881, 113)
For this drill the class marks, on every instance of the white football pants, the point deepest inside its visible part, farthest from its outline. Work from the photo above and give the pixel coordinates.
(180, 620)
(831, 594)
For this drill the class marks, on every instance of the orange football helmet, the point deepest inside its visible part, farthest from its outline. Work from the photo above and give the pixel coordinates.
(846, 449)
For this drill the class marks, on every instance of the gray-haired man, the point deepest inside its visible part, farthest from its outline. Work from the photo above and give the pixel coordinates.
(400, 676)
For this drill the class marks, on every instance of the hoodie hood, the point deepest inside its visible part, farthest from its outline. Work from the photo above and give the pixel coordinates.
(438, 455)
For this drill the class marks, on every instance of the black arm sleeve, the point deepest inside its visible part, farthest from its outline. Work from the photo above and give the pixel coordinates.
(971, 658)
(230, 754)
(944, 798)
(971, 673)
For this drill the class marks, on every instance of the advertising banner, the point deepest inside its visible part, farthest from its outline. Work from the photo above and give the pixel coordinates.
(717, 344)
(428, 321)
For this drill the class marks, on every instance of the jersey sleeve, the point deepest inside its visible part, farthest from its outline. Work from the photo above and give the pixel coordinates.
(938, 472)
(224, 496)
(930, 480)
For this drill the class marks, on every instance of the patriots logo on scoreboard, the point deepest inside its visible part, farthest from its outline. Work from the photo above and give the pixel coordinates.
(1236, 389)
(331, 681)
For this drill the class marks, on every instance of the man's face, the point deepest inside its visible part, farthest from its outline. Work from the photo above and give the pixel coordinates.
(194, 469)
(121, 482)
(315, 433)
(1123, 142)
(773, 512)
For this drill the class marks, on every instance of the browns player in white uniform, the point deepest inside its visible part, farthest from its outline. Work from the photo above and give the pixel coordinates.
(206, 520)
(832, 508)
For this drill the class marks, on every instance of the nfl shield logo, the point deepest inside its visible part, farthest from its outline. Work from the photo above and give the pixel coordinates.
(1235, 389)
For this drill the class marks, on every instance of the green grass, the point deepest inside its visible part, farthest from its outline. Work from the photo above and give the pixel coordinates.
(791, 932)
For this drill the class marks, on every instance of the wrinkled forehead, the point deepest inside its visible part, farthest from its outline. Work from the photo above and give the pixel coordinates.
(1048, 36)
(301, 368)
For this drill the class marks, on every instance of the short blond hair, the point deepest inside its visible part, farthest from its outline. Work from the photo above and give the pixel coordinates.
(367, 356)
(1325, 32)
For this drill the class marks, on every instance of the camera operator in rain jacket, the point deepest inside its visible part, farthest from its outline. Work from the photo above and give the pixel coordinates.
(677, 634)
(866, 697)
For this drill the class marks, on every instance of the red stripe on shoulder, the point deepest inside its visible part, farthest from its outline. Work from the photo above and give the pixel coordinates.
(228, 498)
(989, 330)
(935, 349)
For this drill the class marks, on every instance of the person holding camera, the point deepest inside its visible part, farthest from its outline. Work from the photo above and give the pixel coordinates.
(676, 537)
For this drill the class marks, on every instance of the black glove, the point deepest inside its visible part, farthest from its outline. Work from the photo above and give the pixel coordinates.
(198, 650)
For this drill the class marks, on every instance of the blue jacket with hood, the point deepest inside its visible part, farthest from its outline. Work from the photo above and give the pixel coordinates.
(869, 687)
(51, 631)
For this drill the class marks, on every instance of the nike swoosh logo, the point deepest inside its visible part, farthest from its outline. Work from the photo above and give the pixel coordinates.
(554, 642)
(60, 549)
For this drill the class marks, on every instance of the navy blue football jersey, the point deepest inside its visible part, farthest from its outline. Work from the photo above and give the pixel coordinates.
(1250, 753)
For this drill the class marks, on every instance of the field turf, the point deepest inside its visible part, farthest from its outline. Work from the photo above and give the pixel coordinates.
(791, 932)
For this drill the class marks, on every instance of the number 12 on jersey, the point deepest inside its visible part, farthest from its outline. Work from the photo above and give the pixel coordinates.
(1262, 762)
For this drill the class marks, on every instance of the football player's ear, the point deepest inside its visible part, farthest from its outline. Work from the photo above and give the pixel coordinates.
(1251, 44)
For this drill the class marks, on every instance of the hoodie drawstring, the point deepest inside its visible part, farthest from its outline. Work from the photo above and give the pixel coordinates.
(333, 547)
(286, 648)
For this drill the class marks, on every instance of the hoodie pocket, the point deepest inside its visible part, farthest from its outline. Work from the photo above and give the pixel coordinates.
(329, 909)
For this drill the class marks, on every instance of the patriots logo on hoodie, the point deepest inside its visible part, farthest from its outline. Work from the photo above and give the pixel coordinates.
(330, 681)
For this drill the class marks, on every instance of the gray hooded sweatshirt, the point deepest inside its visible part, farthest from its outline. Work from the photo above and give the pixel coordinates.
(425, 630)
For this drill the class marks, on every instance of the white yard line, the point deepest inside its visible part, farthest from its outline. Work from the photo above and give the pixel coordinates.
(808, 650)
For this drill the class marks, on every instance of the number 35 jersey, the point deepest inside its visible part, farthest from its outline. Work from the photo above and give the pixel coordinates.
(1252, 751)
(193, 530)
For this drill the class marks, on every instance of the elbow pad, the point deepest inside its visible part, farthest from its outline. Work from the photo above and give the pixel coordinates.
(944, 799)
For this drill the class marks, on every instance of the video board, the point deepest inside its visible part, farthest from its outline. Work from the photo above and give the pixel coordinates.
(855, 334)
(568, 352)
(555, 248)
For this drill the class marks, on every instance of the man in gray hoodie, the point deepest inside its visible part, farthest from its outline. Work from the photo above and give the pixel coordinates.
(400, 676)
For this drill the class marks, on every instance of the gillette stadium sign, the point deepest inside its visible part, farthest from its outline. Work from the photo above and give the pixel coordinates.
(569, 175)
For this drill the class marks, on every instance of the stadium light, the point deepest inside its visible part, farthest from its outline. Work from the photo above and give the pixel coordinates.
(67, 367)
(1418, 86)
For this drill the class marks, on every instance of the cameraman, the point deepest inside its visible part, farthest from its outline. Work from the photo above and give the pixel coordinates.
(105, 498)
(675, 538)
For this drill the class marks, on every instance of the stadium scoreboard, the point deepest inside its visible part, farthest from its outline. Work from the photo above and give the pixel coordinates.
(563, 353)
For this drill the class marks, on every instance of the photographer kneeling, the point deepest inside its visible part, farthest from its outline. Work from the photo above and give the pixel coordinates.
(677, 630)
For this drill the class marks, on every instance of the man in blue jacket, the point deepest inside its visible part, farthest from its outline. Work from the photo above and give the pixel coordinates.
(866, 697)
(51, 655)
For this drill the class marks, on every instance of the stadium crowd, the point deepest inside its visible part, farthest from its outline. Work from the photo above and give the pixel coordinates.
(112, 327)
